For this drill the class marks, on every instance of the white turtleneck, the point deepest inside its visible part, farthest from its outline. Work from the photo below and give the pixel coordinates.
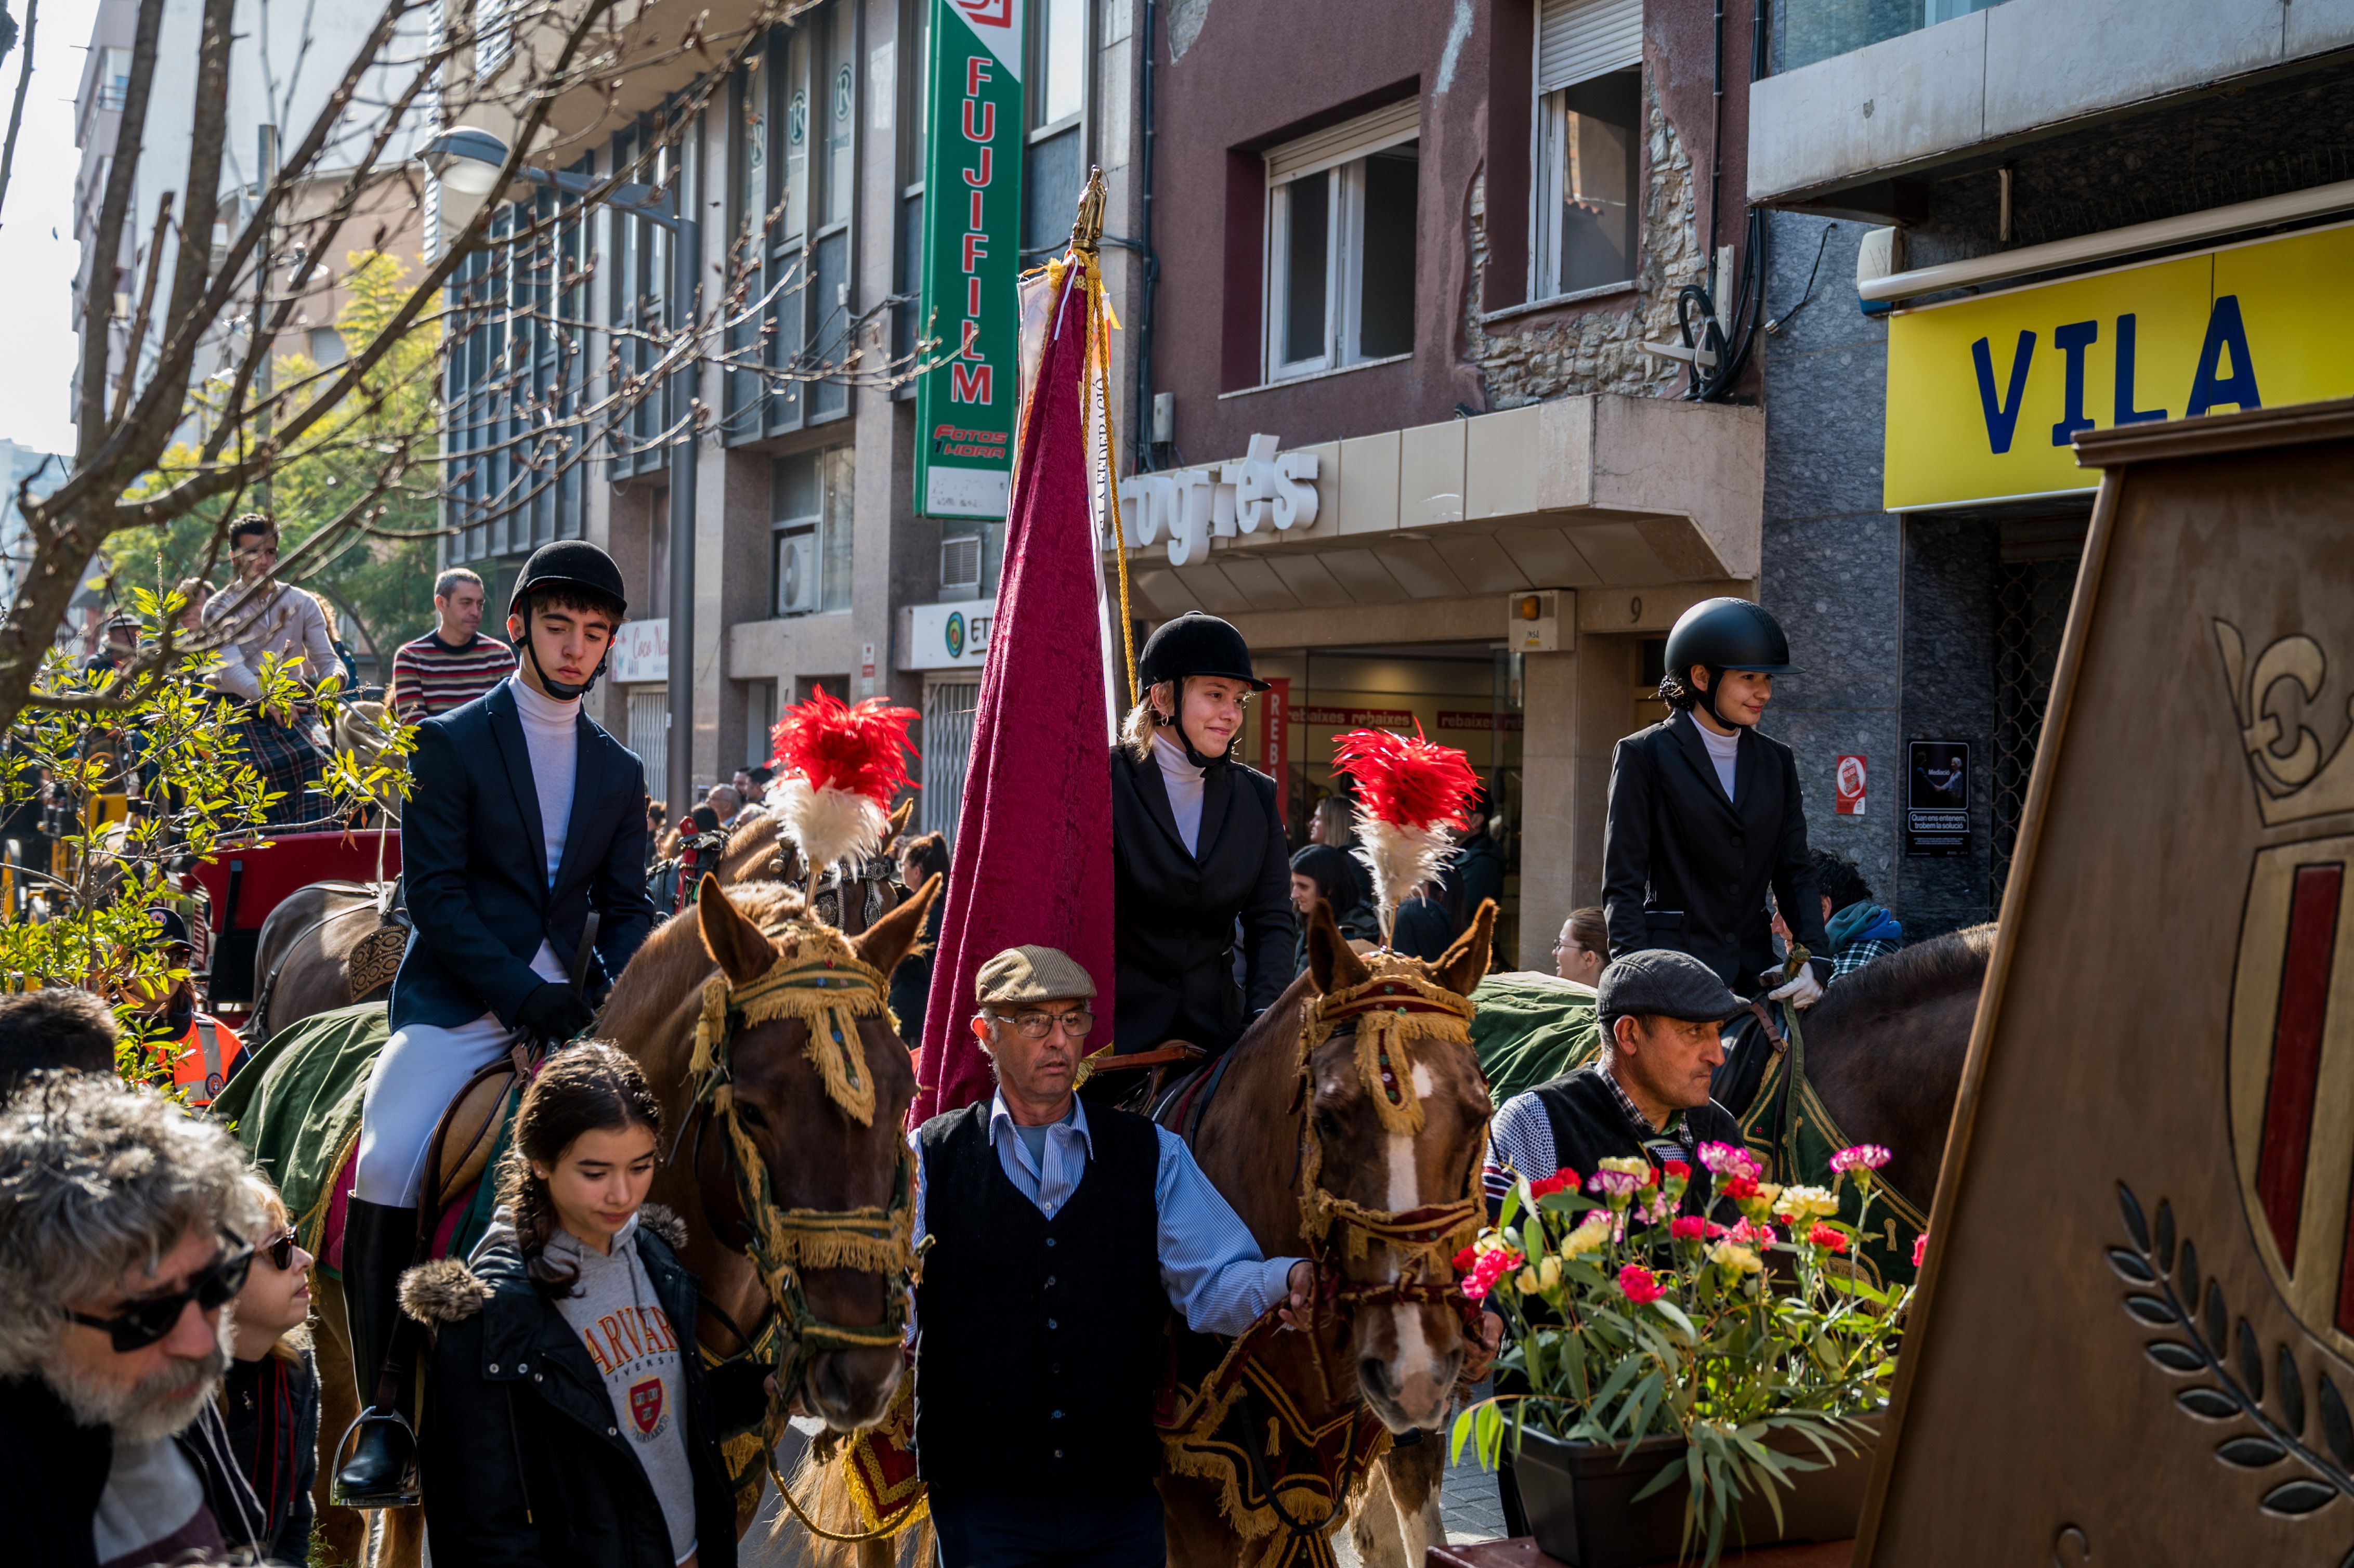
(1184, 783)
(1721, 750)
(551, 734)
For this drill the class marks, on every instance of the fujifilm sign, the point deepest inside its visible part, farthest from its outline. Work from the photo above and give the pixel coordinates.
(1190, 506)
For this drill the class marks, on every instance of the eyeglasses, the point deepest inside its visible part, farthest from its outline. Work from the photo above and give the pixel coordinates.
(1038, 1025)
(279, 1249)
(143, 1322)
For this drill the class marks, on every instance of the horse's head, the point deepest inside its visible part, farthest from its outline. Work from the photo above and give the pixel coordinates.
(760, 850)
(1397, 1116)
(812, 1178)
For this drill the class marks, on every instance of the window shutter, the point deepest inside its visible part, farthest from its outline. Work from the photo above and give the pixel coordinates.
(1581, 39)
(1384, 127)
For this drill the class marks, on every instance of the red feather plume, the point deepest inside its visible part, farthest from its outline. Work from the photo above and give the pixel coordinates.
(1409, 782)
(862, 750)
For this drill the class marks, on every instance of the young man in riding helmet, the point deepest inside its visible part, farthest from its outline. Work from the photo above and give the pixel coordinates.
(525, 818)
(1705, 813)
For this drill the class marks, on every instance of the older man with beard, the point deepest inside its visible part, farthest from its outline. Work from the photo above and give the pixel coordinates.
(124, 1232)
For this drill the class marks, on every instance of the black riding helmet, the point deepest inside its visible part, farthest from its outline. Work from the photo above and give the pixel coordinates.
(1723, 634)
(581, 567)
(1195, 644)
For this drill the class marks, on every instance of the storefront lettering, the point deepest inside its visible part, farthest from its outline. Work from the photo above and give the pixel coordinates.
(2226, 374)
(1988, 395)
(1193, 506)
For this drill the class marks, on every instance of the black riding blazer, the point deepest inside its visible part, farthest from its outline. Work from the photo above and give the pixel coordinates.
(1684, 867)
(474, 858)
(1173, 912)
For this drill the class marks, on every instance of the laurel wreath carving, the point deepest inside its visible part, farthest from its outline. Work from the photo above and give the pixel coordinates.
(2206, 1342)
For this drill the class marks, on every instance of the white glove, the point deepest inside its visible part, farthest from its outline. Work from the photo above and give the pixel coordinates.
(1802, 992)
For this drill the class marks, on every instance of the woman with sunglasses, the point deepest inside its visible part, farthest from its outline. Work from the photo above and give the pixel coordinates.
(272, 1398)
(569, 1418)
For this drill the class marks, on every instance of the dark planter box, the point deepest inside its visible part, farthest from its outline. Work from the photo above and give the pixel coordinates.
(1579, 1500)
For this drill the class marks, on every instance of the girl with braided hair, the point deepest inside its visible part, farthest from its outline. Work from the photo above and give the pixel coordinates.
(569, 1417)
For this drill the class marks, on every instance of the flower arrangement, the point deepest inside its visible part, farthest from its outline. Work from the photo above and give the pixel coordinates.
(1631, 1321)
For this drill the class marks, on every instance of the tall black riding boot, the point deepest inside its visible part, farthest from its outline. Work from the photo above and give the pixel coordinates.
(379, 1242)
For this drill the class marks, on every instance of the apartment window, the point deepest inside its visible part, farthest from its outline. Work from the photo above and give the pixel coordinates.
(793, 150)
(810, 533)
(1340, 233)
(326, 346)
(114, 79)
(1056, 170)
(1589, 126)
(493, 35)
(914, 113)
(515, 384)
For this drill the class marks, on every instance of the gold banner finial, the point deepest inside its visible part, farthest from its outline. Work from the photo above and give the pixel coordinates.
(1087, 230)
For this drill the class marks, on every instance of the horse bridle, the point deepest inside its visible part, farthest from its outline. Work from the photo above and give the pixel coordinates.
(1385, 1014)
(827, 987)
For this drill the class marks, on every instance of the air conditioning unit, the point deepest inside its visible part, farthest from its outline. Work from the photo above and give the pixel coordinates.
(960, 565)
(797, 572)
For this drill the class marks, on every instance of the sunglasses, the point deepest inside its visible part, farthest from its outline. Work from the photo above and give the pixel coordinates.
(279, 1249)
(143, 1322)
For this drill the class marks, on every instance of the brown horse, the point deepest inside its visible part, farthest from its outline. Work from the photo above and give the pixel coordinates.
(1884, 1049)
(816, 1158)
(759, 850)
(303, 958)
(1393, 1335)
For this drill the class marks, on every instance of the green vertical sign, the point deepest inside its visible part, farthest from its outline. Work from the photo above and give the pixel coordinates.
(967, 409)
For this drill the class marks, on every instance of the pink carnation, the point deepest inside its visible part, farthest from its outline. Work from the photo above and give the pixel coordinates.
(1728, 1159)
(1489, 1268)
(1749, 1233)
(1920, 1248)
(1861, 1156)
(1688, 1227)
(1615, 1183)
(1640, 1285)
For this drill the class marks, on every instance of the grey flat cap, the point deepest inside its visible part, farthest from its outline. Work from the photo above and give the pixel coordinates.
(1029, 974)
(1663, 982)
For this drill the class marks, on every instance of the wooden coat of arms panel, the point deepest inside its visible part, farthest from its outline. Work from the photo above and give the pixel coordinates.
(2135, 1340)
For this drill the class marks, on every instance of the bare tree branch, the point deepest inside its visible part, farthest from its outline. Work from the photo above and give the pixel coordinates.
(106, 243)
(17, 109)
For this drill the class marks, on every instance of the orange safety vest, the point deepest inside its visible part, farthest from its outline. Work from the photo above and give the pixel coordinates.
(201, 1058)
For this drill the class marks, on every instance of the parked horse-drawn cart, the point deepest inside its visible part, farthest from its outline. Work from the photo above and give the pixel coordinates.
(261, 898)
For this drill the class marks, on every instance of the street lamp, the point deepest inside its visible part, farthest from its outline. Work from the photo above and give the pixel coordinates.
(467, 162)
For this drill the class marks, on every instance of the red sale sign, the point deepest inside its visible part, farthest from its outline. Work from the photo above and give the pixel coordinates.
(1275, 728)
(1851, 779)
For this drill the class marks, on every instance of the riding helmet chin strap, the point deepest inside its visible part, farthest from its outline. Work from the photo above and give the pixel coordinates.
(1186, 740)
(1707, 696)
(562, 691)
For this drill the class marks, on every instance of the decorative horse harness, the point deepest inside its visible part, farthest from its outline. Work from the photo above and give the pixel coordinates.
(1216, 1435)
(828, 989)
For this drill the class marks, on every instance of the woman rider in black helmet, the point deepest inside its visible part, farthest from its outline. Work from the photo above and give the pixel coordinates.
(1199, 859)
(1705, 813)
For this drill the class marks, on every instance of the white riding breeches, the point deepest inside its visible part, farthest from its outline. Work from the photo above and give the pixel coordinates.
(420, 1072)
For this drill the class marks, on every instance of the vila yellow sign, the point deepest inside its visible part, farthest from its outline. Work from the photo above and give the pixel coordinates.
(1986, 395)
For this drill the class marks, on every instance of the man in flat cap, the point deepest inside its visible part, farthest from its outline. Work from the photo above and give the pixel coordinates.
(1660, 1011)
(1061, 1234)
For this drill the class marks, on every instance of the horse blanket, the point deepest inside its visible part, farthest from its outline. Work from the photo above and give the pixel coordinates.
(296, 1105)
(1794, 1137)
(1528, 1028)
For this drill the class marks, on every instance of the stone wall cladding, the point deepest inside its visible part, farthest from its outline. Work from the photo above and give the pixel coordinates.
(1600, 351)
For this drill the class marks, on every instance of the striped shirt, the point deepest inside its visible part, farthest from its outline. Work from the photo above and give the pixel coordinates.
(430, 677)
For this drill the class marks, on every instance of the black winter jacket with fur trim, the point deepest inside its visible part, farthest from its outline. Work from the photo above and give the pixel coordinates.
(519, 1455)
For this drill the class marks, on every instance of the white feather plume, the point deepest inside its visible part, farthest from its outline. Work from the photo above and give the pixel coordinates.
(1402, 859)
(829, 825)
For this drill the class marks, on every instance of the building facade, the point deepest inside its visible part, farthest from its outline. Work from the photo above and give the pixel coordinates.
(1991, 228)
(812, 565)
(1410, 270)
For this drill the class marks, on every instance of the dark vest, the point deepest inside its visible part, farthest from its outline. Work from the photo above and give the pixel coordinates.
(1588, 1126)
(1038, 1340)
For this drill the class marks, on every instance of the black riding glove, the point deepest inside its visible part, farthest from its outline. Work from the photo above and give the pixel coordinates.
(553, 1012)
